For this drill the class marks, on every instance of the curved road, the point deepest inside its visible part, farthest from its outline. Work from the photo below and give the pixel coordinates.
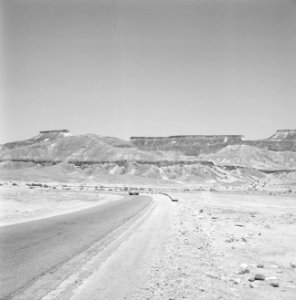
(28, 250)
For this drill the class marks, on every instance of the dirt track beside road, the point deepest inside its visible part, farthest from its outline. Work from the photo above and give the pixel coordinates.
(196, 249)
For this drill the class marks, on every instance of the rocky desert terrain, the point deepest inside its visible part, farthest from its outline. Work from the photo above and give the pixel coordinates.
(208, 245)
(226, 161)
(230, 234)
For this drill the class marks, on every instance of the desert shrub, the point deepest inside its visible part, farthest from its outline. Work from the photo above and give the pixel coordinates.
(36, 184)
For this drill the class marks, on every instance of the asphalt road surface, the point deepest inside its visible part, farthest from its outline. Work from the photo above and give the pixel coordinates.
(28, 250)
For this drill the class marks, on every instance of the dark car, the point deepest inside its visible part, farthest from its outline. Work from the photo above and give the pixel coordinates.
(133, 192)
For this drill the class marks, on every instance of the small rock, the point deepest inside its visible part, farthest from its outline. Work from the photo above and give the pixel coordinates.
(251, 279)
(260, 266)
(293, 264)
(244, 240)
(236, 281)
(274, 283)
(271, 278)
(244, 269)
(252, 285)
(201, 210)
(229, 240)
(259, 276)
(240, 225)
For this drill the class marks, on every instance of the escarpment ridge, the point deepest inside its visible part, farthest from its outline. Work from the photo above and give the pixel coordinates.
(61, 145)
(193, 159)
(192, 145)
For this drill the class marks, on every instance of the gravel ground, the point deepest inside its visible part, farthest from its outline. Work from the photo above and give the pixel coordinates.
(208, 245)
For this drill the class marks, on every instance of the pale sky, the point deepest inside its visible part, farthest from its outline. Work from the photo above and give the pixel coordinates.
(145, 67)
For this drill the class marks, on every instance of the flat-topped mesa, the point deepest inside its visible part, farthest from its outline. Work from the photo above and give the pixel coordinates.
(219, 138)
(284, 134)
(43, 136)
(185, 139)
(191, 145)
(54, 131)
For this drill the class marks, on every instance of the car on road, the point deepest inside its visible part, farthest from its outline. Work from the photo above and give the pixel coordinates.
(133, 192)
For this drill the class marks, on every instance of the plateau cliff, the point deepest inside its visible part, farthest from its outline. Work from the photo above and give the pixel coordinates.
(228, 159)
(194, 145)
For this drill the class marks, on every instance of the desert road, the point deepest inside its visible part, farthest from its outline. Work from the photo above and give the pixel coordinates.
(28, 250)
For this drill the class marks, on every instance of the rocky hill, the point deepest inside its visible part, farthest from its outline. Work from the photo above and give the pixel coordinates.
(250, 156)
(193, 145)
(227, 159)
(284, 135)
(58, 146)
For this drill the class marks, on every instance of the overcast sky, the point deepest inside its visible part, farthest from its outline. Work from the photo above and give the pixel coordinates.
(147, 67)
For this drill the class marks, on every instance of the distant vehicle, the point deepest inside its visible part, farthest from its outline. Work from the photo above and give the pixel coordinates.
(174, 199)
(133, 192)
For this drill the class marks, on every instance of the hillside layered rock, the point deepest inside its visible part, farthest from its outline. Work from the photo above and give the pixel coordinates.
(194, 145)
(250, 156)
(284, 135)
(191, 145)
(60, 145)
(228, 159)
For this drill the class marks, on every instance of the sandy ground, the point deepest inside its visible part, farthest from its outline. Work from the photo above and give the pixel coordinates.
(21, 204)
(208, 245)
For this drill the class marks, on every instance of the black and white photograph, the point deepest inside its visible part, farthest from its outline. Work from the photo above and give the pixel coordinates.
(147, 149)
